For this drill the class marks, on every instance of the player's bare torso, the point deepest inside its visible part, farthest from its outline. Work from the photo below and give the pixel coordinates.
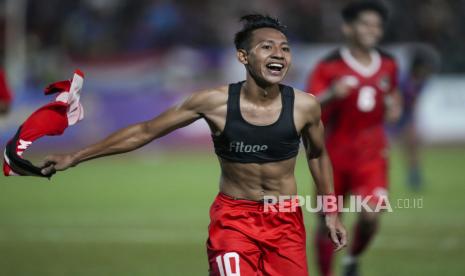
(252, 180)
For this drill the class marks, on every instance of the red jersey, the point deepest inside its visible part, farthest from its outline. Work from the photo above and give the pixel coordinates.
(355, 123)
(5, 95)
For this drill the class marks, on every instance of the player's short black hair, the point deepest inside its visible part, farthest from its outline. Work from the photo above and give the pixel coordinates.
(351, 11)
(253, 22)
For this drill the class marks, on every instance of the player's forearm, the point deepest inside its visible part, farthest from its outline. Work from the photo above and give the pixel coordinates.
(124, 140)
(322, 173)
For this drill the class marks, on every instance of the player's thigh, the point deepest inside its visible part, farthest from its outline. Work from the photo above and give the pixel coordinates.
(290, 260)
(284, 253)
(231, 253)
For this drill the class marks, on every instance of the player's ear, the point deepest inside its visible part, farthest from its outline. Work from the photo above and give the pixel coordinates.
(242, 56)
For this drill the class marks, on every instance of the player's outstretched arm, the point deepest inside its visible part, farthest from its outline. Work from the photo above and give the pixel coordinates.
(321, 169)
(134, 136)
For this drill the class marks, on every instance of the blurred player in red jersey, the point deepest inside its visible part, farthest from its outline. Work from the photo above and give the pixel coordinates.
(5, 95)
(357, 88)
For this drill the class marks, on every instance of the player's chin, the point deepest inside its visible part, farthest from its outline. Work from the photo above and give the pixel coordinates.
(370, 42)
(273, 77)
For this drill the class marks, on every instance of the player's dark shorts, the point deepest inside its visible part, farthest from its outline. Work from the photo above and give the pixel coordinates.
(246, 239)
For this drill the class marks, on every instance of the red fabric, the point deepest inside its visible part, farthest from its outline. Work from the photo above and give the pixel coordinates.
(51, 119)
(263, 243)
(57, 87)
(5, 94)
(367, 178)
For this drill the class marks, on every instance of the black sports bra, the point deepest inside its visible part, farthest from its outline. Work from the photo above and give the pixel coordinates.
(244, 142)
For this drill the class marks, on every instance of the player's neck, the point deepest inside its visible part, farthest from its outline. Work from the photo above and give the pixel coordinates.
(362, 55)
(260, 93)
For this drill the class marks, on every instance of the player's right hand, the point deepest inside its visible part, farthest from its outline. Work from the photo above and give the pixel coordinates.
(341, 88)
(57, 162)
(337, 232)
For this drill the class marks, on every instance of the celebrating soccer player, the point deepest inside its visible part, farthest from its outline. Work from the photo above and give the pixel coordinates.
(256, 128)
(356, 86)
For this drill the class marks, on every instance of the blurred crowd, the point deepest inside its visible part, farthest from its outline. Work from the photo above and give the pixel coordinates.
(105, 28)
(92, 29)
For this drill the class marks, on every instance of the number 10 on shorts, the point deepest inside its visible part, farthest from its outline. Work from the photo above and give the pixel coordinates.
(225, 264)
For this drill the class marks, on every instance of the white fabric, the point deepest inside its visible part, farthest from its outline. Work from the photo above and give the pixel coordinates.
(364, 70)
(72, 97)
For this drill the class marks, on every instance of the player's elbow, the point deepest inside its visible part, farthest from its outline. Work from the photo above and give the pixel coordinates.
(145, 133)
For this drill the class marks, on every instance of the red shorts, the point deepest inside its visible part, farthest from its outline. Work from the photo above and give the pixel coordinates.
(367, 178)
(246, 240)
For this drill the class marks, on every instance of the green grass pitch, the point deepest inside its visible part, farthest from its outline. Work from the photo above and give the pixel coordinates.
(148, 215)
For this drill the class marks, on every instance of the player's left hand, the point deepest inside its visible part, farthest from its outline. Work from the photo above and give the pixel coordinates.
(337, 231)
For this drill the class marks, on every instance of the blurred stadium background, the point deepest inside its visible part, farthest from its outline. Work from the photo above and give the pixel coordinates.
(146, 213)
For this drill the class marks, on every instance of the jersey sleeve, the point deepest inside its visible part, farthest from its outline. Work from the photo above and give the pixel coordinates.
(318, 81)
(5, 95)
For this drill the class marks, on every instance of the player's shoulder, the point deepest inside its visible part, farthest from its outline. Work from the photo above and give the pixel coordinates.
(385, 55)
(333, 56)
(305, 102)
(328, 61)
(388, 61)
(214, 93)
(208, 99)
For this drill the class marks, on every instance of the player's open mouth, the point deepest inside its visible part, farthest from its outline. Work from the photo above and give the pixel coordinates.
(275, 68)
